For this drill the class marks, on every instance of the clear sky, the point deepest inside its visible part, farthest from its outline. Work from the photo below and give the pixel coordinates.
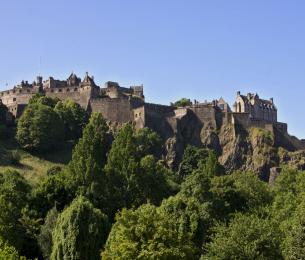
(193, 48)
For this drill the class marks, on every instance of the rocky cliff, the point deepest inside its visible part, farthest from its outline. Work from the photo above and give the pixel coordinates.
(255, 149)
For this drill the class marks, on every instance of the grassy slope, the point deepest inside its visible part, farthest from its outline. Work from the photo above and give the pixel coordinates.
(31, 166)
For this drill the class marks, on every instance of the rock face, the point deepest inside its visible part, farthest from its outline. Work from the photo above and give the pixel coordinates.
(294, 160)
(255, 150)
(251, 150)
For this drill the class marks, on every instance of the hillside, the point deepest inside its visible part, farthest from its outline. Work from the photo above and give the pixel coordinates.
(31, 166)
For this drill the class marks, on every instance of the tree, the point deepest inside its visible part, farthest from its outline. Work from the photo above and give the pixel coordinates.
(133, 173)
(183, 102)
(149, 233)
(45, 237)
(246, 237)
(80, 232)
(8, 252)
(14, 193)
(39, 128)
(294, 235)
(73, 116)
(255, 192)
(89, 155)
(54, 190)
(211, 166)
(286, 190)
(199, 182)
(43, 100)
(191, 159)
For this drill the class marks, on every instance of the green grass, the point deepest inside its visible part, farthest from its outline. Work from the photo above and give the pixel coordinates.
(32, 167)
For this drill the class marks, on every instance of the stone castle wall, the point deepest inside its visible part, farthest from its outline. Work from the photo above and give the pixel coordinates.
(64, 93)
(159, 109)
(20, 96)
(206, 114)
(113, 109)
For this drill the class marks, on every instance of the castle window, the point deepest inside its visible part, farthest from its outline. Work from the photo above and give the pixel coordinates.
(19, 90)
(68, 90)
(28, 90)
(14, 99)
(75, 89)
(60, 90)
(14, 91)
(52, 90)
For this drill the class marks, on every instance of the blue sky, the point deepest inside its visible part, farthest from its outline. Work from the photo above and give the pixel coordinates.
(193, 48)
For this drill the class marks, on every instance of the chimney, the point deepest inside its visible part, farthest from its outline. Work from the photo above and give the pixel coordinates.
(238, 93)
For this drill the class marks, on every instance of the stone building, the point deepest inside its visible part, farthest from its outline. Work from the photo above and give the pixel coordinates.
(258, 109)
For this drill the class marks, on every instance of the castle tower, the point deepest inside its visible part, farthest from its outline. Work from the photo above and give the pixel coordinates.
(73, 80)
(88, 90)
(112, 89)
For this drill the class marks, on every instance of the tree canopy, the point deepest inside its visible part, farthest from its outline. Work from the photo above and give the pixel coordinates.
(80, 232)
(183, 102)
(73, 116)
(40, 128)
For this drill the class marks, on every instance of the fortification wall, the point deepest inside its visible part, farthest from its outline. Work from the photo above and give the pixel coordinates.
(259, 123)
(64, 93)
(116, 110)
(206, 114)
(297, 143)
(282, 127)
(159, 109)
(240, 119)
(20, 96)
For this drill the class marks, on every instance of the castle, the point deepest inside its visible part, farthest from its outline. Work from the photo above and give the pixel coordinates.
(120, 105)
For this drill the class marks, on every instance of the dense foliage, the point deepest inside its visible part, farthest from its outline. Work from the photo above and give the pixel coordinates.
(183, 102)
(40, 128)
(117, 199)
(80, 232)
(73, 116)
(47, 122)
